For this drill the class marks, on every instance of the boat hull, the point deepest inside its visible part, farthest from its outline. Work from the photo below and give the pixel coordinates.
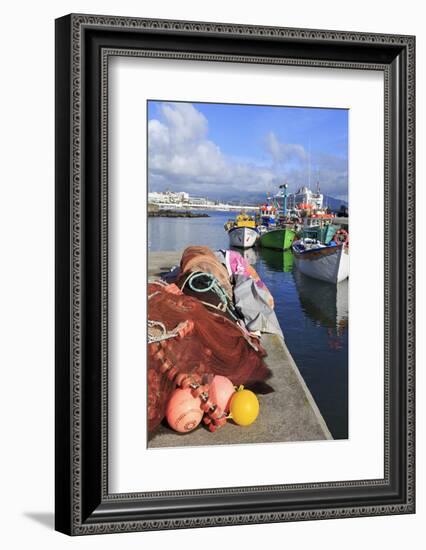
(242, 237)
(330, 263)
(279, 239)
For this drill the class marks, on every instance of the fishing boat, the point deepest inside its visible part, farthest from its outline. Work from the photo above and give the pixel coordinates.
(322, 230)
(326, 262)
(280, 238)
(242, 237)
(277, 233)
(242, 232)
(268, 214)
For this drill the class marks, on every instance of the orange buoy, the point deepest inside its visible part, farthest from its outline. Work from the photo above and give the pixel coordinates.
(183, 411)
(220, 392)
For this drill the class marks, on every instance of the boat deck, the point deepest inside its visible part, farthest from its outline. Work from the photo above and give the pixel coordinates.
(289, 413)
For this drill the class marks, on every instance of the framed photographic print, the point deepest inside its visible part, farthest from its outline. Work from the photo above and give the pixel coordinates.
(234, 274)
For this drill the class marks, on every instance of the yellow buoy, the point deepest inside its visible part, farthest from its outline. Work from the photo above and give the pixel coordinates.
(244, 407)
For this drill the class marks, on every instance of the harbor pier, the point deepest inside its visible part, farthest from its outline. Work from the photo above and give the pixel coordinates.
(287, 413)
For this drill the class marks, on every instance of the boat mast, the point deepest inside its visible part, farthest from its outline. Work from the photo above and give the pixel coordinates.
(284, 196)
(309, 164)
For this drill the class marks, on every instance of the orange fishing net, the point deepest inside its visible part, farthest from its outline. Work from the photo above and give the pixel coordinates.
(201, 258)
(212, 345)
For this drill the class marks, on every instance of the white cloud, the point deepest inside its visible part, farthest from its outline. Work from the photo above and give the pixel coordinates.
(180, 153)
(179, 148)
(182, 157)
(284, 152)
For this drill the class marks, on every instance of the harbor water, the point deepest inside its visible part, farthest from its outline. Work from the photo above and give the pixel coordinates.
(313, 314)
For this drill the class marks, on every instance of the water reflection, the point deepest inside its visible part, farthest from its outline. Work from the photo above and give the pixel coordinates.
(323, 302)
(277, 260)
(248, 254)
(326, 304)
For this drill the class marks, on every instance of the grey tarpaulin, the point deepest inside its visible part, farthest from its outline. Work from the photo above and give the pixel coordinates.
(252, 303)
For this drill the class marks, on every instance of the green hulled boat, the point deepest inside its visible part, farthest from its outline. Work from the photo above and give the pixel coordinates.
(280, 238)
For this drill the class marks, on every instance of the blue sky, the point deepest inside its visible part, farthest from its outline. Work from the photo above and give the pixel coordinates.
(226, 151)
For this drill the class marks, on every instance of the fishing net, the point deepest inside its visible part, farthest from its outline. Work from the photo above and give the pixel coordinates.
(194, 340)
(202, 259)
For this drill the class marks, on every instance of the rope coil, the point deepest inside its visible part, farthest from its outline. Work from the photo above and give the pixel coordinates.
(212, 285)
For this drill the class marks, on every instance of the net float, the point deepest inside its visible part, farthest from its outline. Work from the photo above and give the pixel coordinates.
(183, 411)
(244, 407)
(221, 390)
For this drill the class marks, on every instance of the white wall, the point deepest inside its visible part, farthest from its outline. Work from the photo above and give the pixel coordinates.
(26, 301)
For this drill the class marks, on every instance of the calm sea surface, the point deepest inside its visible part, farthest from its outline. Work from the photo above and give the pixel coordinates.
(313, 315)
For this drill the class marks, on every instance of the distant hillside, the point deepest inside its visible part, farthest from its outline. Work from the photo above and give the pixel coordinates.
(332, 203)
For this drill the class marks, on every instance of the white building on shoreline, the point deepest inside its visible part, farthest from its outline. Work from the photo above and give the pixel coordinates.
(168, 197)
(176, 200)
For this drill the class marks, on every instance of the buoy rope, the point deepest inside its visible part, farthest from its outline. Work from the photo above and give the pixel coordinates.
(214, 416)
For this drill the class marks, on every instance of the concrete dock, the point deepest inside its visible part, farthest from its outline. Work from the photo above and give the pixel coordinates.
(288, 413)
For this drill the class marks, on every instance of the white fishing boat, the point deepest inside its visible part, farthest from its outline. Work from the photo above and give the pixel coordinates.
(242, 237)
(242, 231)
(328, 263)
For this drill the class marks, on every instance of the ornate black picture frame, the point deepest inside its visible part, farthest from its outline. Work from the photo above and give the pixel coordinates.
(84, 43)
